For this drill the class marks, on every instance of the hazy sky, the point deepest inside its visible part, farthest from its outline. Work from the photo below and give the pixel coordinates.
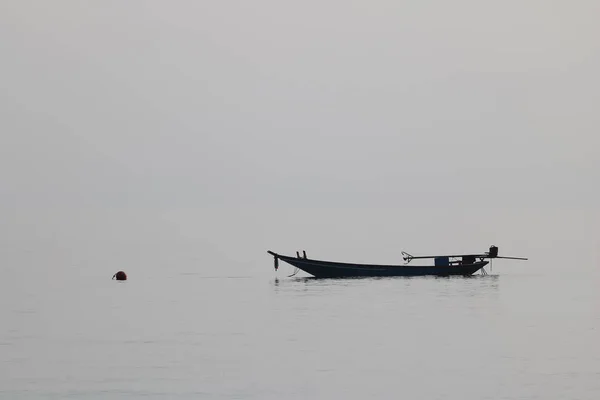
(193, 104)
(199, 102)
(180, 140)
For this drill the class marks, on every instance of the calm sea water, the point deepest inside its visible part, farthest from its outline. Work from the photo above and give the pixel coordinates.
(229, 329)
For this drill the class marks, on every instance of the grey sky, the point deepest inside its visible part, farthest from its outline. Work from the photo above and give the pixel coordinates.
(321, 103)
(179, 140)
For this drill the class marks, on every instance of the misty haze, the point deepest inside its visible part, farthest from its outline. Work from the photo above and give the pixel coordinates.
(179, 141)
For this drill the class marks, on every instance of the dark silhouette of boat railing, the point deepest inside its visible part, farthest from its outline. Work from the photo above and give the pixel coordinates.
(493, 253)
(444, 265)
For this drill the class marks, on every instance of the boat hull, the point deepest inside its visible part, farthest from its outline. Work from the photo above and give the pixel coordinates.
(330, 269)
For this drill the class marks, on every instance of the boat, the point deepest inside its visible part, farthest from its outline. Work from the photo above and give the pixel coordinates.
(444, 265)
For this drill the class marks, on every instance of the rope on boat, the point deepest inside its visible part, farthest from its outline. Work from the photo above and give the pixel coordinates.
(295, 272)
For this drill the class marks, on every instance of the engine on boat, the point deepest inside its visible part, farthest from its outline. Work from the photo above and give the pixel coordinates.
(493, 251)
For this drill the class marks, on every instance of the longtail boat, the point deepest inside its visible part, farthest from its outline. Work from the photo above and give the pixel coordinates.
(445, 265)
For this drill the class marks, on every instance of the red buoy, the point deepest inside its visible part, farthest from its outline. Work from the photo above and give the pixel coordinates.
(120, 276)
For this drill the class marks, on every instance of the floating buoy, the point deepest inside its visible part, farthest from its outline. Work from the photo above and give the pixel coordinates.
(120, 276)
